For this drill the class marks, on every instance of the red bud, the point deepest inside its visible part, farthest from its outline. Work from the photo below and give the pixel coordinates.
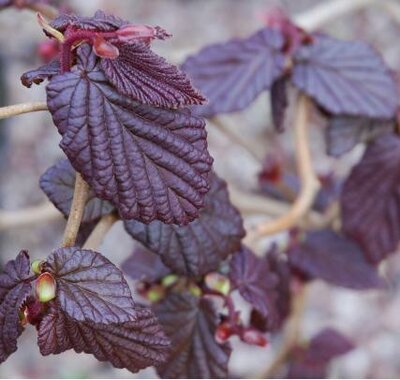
(252, 336)
(45, 287)
(104, 49)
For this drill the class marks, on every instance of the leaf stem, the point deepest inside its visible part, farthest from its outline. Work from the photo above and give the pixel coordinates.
(291, 333)
(29, 216)
(309, 182)
(79, 199)
(99, 232)
(18, 109)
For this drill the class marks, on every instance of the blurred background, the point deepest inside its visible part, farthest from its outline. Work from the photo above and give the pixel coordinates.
(29, 145)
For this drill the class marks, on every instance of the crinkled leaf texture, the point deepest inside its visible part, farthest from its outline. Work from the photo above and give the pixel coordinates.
(256, 284)
(100, 22)
(146, 77)
(144, 265)
(58, 184)
(190, 323)
(370, 199)
(344, 132)
(151, 163)
(14, 289)
(232, 74)
(331, 257)
(311, 362)
(345, 77)
(90, 287)
(132, 345)
(200, 246)
(40, 74)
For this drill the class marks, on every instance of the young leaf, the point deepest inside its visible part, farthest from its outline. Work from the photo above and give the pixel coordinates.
(232, 74)
(344, 132)
(148, 78)
(14, 289)
(151, 163)
(40, 74)
(335, 259)
(191, 323)
(200, 246)
(345, 77)
(132, 345)
(90, 287)
(370, 199)
(256, 284)
(144, 265)
(58, 184)
(279, 103)
(100, 22)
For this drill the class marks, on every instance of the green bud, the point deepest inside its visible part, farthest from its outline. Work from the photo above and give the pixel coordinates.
(36, 266)
(218, 282)
(169, 280)
(195, 290)
(155, 294)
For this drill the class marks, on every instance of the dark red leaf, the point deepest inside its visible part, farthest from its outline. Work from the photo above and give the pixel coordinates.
(256, 284)
(14, 289)
(100, 22)
(232, 74)
(191, 323)
(151, 163)
(345, 77)
(40, 74)
(58, 183)
(344, 132)
(90, 287)
(279, 103)
(370, 199)
(200, 246)
(132, 345)
(335, 259)
(144, 265)
(148, 78)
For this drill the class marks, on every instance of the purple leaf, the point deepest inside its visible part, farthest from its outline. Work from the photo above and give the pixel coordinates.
(345, 77)
(58, 184)
(144, 265)
(100, 22)
(328, 344)
(151, 163)
(132, 345)
(148, 78)
(335, 259)
(279, 103)
(256, 284)
(312, 362)
(40, 74)
(191, 322)
(370, 199)
(200, 246)
(232, 74)
(344, 132)
(90, 287)
(14, 289)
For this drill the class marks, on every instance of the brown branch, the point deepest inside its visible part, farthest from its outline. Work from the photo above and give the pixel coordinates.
(81, 193)
(19, 109)
(309, 182)
(99, 232)
(291, 333)
(29, 216)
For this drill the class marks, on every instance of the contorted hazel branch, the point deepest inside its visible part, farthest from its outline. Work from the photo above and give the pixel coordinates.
(18, 109)
(309, 181)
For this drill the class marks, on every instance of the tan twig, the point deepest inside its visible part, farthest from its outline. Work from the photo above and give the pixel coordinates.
(291, 333)
(99, 232)
(29, 216)
(309, 182)
(18, 109)
(81, 192)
